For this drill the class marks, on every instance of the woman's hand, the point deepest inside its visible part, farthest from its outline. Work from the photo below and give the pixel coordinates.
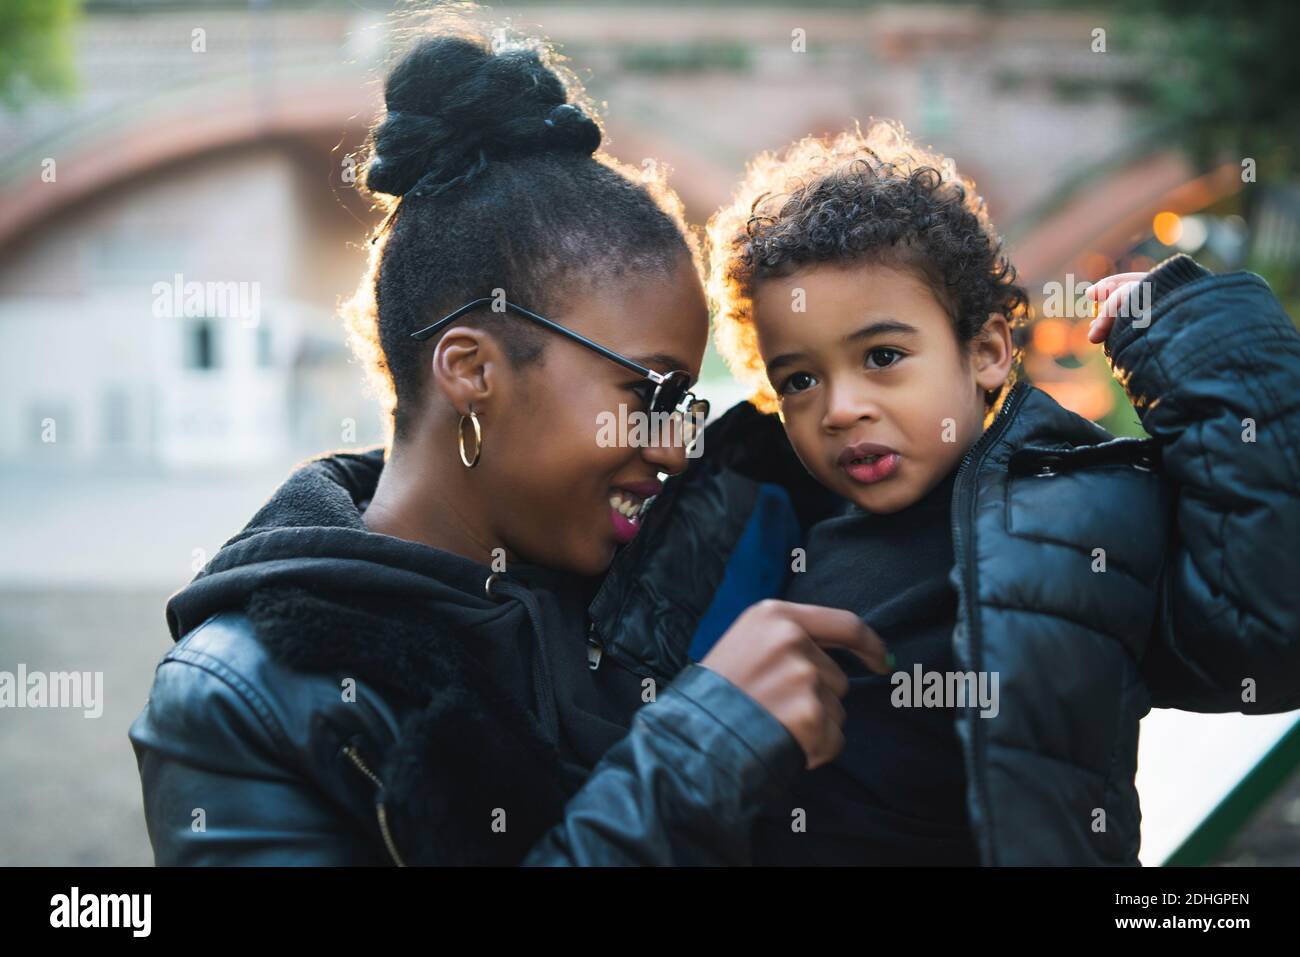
(1110, 292)
(773, 652)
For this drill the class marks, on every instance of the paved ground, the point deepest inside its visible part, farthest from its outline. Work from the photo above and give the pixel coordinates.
(1273, 836)
(71, 793)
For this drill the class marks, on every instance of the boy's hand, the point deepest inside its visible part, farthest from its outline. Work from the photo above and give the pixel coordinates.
(1110, 292)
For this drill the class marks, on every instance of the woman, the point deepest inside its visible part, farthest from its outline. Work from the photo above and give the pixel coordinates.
(423, 655)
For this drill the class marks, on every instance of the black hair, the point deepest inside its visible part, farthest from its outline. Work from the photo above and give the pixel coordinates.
(862, 196)
(492, 157)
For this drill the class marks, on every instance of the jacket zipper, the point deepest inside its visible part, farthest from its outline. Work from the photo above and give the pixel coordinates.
(596, 655)
(629, 553)
(380, 811)
(975, 455)
(595, 652)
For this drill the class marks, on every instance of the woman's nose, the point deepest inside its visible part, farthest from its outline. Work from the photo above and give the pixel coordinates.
(668, 454)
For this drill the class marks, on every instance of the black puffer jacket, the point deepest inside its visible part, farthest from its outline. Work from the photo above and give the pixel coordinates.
(1198, 607)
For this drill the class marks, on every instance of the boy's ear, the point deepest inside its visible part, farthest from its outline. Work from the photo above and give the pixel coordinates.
(991, 352)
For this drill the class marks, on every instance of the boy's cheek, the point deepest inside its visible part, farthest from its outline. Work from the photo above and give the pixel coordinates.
(808, 454)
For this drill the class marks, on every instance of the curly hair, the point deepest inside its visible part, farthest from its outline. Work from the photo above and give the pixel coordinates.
(488, 162)
(860, 197)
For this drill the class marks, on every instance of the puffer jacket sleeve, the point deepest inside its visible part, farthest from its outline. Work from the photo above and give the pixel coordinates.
(683, 786)
(1213, 370)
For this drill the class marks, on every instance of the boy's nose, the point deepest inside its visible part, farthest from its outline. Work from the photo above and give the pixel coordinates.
(846, 406)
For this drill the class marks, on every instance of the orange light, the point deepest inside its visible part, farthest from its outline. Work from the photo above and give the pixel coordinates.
(1079, 343)
(1051, 337)
(1094, 266)
(1168, 227)
(1091, 399)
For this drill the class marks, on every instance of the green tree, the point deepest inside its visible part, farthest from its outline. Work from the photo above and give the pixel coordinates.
(36, 49)
(1224, 78)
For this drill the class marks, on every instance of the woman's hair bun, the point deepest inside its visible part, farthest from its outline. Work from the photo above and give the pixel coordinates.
(454, 104)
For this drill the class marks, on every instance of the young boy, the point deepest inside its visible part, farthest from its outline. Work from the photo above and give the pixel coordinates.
(1041, 584)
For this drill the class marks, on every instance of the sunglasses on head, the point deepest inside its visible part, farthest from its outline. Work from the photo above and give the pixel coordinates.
(672, 394)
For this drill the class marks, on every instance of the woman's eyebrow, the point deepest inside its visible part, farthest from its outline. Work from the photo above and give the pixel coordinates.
(662, 358)
(882, 327)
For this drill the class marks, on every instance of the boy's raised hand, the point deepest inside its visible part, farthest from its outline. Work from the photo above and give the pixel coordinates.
(1110, 292)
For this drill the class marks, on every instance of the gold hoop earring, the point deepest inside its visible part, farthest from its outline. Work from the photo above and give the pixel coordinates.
(478, 438)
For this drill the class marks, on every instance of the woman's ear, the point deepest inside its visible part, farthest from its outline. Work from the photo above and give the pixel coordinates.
(467, 368)
(991, 353)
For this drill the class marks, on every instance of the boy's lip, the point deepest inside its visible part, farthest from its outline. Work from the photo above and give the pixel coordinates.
(861, 450)
(879, 468)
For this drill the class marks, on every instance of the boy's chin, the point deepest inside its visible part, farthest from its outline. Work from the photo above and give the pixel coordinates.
(880, 498)
(878, 505)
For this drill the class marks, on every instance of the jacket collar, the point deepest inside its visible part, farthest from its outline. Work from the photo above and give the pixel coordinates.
(466, 747)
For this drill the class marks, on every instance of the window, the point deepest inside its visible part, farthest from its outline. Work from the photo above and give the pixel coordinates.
(265, 355)
(201, 344)
(117, 416)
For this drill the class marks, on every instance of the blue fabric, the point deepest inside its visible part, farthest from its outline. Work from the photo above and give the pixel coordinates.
(757, 568)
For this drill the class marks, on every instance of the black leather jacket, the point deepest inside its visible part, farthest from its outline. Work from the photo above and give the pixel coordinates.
(244, 760)
(333, 697)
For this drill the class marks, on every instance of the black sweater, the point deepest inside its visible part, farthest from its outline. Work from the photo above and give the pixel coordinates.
(896, 793)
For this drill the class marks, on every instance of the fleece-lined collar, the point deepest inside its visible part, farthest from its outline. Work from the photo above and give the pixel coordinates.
(325, 594)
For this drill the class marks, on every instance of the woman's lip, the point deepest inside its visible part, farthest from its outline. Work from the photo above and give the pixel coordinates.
(624, 528)
(647, 489)
(868, 472)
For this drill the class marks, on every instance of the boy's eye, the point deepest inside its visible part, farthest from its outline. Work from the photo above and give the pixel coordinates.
(797, 382)
(883, 357)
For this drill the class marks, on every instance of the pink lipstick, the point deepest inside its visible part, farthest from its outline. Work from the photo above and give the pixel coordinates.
(625, 506)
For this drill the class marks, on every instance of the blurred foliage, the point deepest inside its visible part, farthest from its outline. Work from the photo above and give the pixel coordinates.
(689, 57)
(1225, 79)
(36, 49)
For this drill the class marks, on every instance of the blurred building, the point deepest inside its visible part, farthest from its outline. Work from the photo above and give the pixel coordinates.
(214, 144)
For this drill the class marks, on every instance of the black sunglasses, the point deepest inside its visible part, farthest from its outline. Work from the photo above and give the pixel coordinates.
(672, 393)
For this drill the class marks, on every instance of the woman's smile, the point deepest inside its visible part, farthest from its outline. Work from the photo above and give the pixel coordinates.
(626, 503)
